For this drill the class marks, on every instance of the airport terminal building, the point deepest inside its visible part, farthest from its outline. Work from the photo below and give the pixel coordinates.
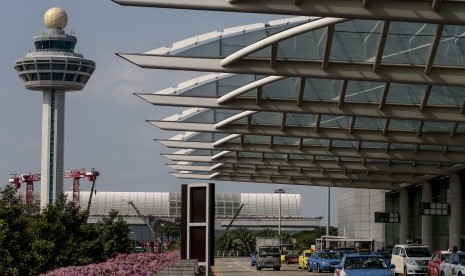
(259, 210)
(365, 96)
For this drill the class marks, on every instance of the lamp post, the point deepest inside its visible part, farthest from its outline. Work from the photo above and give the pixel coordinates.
(279, 191)
(135, 239)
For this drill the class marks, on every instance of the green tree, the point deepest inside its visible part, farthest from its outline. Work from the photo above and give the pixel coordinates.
(62, 237)
(168, 229)
(267, 232)
(239, 239)
(15, 241)
(113, 235)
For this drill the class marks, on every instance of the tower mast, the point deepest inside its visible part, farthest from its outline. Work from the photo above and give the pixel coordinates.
(54, 68)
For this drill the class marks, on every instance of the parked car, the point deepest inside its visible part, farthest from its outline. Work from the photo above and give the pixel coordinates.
(453, 265)
(345, 250)
(323, 260)
(436, 259)
(364, 264)
(292, 257)
(411, 259)
(386, 255)
(303, 258)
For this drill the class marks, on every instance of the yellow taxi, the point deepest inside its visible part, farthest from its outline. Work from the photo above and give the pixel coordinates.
(303, 258)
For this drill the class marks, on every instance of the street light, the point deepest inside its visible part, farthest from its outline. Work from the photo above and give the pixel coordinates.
(135, 239)
(279, 191)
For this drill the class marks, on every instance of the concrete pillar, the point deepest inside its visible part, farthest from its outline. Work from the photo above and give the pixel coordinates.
(53, 131)
(427, 221)
(404, 215)
(455, 222)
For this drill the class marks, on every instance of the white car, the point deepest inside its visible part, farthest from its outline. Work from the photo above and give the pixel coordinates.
(411, 259)
(453, 265)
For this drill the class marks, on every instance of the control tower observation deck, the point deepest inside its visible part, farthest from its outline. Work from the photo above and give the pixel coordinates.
(54, 68)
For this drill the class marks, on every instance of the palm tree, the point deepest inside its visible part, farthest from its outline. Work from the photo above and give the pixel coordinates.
(268, 232)
(246, 238)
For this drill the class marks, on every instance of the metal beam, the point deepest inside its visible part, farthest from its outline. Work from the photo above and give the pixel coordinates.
(404, 137)
(296, 181)
(318, 164)
(361, 71)
(375, 177)
(369, 153)
(349, 109)
(451, 12)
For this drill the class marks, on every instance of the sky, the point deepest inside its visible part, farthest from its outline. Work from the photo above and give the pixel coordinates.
(105, 124)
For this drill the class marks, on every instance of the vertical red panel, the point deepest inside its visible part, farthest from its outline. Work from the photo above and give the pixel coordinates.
(184, 221)
(198, 243)
(198, 200)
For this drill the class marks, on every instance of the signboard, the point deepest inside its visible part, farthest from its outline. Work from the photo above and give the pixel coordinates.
(386, 217)
(433, 208)
(139, 250)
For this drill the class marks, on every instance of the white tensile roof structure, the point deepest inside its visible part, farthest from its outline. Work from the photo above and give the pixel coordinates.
(351, 93)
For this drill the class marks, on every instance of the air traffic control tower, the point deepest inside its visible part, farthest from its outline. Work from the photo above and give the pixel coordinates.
(54, 68)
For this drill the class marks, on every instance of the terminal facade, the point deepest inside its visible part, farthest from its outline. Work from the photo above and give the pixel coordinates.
(366, 96)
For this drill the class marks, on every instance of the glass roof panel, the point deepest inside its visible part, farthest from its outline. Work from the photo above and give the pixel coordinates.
(315, 142)
(335, 121)
(442, 95)
(403, 146)
(322, 89)
(404, 125)
(408, 43)
(362, 34)
(438, 127)
(300, 157)
(211, 116)
(307, 46)
(369, 123)
(203, 152)
(456, 149)
(451, 49)
(345, 143)
(363, 91)
(401, 93)
(220, 87)
(258, 139)
(271, 155)
(283, 89)
(266, 118)
(432, 148)
(350, 159)
(283, 140)
(325, 158)
(247, 154)
(373, 145)
(226, 45)
(206, 137)
(294, 119)
(461, 128)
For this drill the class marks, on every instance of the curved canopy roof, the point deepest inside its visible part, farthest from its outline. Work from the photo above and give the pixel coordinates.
(371, 100)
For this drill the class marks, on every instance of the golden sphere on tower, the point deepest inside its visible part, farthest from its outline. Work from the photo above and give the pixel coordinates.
(55, 18)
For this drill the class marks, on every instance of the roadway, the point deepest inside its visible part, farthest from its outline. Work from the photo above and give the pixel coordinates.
(241, 266)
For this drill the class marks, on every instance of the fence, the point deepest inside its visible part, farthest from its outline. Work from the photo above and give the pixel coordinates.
(227, 254)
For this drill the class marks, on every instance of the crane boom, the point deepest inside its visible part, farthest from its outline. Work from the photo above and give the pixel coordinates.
(235, 216)
(142, 217)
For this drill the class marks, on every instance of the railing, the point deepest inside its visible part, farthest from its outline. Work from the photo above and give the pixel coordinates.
(227, 254)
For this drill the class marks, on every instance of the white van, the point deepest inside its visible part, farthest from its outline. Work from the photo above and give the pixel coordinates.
(411, 259)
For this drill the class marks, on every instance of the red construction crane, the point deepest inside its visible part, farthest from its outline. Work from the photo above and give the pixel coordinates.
(29, 179)
(76, 175)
